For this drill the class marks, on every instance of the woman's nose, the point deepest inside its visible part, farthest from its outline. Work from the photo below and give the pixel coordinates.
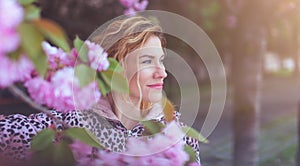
(160, 72)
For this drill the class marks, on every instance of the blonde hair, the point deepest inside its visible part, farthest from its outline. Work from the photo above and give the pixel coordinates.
(125, 35)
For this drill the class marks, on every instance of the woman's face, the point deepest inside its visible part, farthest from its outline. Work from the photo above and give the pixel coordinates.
(145, 71)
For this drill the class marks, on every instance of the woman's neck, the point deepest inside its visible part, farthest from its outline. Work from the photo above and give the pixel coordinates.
(127, 113)
(128, 123)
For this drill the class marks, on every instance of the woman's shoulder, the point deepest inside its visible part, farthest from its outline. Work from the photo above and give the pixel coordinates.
(16, 133)
(18, 126)
(17, 130)
(42, 120)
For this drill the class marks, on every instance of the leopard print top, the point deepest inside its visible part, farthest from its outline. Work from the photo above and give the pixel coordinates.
(16, 131)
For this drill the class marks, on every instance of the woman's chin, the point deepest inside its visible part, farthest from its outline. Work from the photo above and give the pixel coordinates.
(155, 98)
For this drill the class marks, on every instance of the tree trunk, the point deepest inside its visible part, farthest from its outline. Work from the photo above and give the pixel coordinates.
(247, 77)
(298, 125)
(248, 44)
(295, 51)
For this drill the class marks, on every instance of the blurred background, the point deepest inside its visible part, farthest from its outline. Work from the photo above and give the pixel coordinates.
(259, 43)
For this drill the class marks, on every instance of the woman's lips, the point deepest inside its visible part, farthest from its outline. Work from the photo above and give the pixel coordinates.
(156, 86)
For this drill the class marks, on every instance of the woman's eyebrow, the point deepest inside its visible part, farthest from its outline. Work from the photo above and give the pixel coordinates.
(147, 56)
(152, 56)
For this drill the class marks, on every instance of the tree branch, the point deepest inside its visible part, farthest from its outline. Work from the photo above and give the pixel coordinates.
(16, 91)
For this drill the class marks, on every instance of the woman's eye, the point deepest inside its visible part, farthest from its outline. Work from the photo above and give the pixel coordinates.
(146, 61)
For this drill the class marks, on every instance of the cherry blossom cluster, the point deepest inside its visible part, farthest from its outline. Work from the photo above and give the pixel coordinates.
(97, 62)
(59, 89)
(62, 90)
(11, 71)
(166, 148)
(57, 58)
(133, 6)
(11, 15)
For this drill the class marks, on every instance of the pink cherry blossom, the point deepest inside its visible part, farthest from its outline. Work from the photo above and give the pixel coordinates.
(133, 150)
(108, 158)
(23, 67)
(132, 6)
(166, 148)
(11, 14)
(130, 11)
(9, 39)
(80, 149)
(12, 71)
(173, 132)
(72, 56)
(97, 57)
(70, 95)
(84, 161)
(57, 58)
(6, 77)
(158, 141)
(65, 84)
(140, 6)
(82, 153)
(86, 97)
(177, 154)
(159, 161)
(61, 91)
(40, 91)
(173, 155)
(128, 3)
(144, 154)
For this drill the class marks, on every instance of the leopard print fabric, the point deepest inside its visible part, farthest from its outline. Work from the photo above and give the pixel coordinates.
(17, 131)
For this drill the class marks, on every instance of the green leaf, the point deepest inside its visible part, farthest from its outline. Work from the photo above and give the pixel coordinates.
(43, 156)
(194, 134)
(26, 2)
(103, 88)
(31, 39)
(83, 53)
(114, 65)
(84, 136)
(189, 150)
(115, 81)
(16, 54)
(77, 43)
(152, 127)
(53, 32)
(32, 12)
(62, 154)
(85, 74)
(41, 64)
(42, 140)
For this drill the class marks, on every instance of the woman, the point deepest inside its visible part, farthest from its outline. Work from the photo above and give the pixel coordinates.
(138, 45)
